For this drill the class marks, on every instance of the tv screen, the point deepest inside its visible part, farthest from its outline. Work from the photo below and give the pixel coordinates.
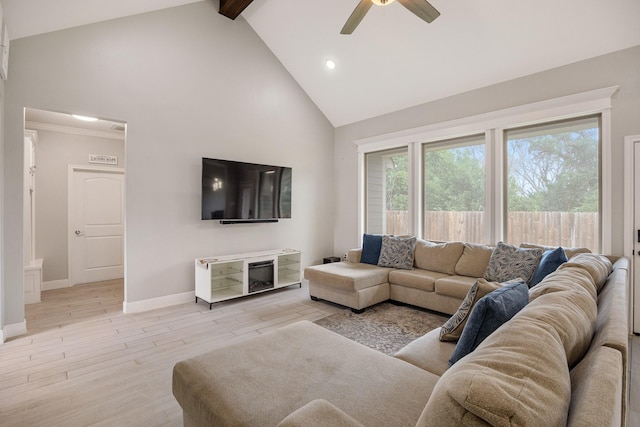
(245, 191)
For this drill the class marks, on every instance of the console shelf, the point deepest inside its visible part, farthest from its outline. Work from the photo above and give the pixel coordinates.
(232, 276)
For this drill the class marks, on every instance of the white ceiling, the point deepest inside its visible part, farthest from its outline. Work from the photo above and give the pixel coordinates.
(393, 60)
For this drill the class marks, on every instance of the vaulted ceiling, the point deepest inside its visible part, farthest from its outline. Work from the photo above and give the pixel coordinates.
(393, 60)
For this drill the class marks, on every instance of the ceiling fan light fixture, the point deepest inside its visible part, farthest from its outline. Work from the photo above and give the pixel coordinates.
(382, 2)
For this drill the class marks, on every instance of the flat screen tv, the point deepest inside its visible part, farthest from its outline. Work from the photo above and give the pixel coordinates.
(237, 192)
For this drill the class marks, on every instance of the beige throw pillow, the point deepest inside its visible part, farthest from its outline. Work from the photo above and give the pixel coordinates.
(452, 329)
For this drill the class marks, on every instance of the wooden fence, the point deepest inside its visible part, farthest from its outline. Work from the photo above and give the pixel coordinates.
(568, 229)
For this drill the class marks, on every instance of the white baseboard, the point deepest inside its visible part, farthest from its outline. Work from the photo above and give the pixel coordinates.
(159, 302)
(55, 284)
(13, 330)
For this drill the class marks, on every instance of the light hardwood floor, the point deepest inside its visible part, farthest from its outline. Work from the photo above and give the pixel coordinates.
(85, 363)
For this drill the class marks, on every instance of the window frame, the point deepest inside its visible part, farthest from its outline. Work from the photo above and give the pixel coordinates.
(493, 125)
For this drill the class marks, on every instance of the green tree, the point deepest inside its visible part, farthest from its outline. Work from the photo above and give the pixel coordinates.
(397, 176)
(555, 172)
(454, 179)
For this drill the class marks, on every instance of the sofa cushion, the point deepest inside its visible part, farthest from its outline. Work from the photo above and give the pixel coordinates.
(508, 263)
(550, 261)
(417, 278)
(563, 279)
(454, 286)
(598, 266)
(428, 352)
(569, 309)
(474, 259)
(440, 257)
(570, 252)
(371, 245)
(489, 313)
(397, 252)
(347, 276)
(452, 329)
(528, 385)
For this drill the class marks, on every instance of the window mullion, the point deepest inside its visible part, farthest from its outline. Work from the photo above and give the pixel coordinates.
(415, 189)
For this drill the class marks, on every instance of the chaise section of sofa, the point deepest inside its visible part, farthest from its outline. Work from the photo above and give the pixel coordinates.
(352, 284)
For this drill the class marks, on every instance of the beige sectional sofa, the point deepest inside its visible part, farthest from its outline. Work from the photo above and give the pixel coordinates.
(561, 360)
(442, 275)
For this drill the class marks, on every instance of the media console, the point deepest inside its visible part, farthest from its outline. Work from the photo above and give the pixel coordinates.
(232, 276)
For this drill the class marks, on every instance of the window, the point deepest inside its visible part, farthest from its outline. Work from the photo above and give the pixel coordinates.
(387, 192)
(552, 184)
(539, 173)
(454, 190)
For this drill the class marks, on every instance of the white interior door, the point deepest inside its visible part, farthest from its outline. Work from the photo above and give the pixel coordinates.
(96, 225)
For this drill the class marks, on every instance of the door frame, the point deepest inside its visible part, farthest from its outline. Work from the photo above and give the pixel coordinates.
(629, 231)
(70, 203)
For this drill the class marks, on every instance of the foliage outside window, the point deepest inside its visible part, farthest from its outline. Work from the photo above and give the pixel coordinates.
(553, 184)
(454, 190)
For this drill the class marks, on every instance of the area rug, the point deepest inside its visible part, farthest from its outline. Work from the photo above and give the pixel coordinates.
(384, 327)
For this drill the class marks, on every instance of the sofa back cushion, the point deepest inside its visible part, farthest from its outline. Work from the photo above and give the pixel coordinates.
(571, 312)
(527, 385)
(474, 259)
(598, 266)
(438, 257)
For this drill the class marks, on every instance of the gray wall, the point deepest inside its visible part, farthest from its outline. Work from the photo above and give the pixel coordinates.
(189, 83)
(616, 69)
(55, 152)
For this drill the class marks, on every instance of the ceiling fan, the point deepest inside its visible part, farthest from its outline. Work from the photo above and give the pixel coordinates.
(421, 8)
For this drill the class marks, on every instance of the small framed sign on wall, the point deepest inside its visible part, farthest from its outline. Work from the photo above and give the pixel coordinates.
(103, 159)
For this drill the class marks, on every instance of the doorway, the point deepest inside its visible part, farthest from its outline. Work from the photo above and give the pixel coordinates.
(69, 143)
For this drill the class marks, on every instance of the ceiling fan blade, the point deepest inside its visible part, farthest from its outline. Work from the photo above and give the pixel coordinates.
(356, 16)
(421, 8)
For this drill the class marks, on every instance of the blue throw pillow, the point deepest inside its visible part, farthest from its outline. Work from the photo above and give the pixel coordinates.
(489, 313)
(371, 244)
(550, 261)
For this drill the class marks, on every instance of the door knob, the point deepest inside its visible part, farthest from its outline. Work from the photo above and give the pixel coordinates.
(77, 232)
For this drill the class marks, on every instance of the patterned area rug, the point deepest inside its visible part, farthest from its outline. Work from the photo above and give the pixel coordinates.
(384, 327)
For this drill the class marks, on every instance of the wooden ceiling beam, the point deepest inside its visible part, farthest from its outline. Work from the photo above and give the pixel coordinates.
(232, 8)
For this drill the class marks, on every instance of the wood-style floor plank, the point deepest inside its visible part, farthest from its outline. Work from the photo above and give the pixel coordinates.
(84, 362)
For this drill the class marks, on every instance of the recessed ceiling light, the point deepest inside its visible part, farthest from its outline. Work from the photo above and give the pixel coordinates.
(330, 64)
(84, 118)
